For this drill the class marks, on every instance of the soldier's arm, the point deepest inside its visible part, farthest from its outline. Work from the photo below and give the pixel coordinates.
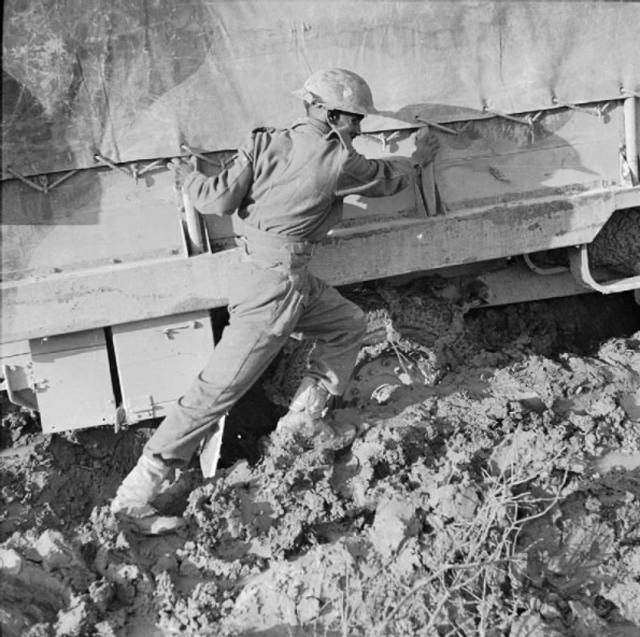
(374, 177)
(382, 177)
(222, 194)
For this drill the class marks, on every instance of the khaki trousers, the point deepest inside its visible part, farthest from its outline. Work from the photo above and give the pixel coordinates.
(272, 294)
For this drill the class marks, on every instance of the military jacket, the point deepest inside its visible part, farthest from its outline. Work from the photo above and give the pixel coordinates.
(293, 181)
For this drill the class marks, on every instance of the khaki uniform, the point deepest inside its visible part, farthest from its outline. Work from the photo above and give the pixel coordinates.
(285, 191)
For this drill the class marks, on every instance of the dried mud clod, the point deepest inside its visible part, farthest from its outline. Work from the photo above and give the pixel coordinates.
(473, 506)
(19, 424)
(617, 245)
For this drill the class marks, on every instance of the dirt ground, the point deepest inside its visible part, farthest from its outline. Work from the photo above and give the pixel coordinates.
(502, 501)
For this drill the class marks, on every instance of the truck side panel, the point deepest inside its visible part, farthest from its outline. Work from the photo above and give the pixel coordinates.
(158, 359)
(95, 219)
(72, 381)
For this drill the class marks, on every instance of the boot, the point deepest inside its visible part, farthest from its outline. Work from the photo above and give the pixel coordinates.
(132, 502)
(304, 418)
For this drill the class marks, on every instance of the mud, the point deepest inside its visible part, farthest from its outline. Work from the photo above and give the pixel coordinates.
(502, 501)
(617, 245)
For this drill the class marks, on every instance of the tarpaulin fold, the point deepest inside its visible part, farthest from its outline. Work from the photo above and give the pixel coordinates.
(133, 79)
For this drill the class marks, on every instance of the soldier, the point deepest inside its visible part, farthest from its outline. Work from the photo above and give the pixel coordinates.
(285, 192)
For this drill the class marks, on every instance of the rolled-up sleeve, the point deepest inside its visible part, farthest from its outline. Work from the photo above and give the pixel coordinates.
(373, 177)
(222, 194)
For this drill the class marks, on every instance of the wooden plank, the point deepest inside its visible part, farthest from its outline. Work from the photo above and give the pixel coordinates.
(132, 292)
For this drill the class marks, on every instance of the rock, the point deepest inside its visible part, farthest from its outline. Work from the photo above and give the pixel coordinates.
(586, 622)
(77, 620)
(55, 551)
(530, 624)
(455, 501)
(395, 521)
(631, 404)
(292, 592)
(626, 596)
(10, 562)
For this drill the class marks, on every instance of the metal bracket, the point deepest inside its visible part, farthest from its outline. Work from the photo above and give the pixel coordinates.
(386, 140)
(631, 138)
(107, 162)
(579, 260)
(137, 173)
(134, 173)
(440, 127)
(381, 138)
(170, 332)
(24, 397)
(372, 137)
(518, 120)
(221, 162)
(43, 185)
(599, 112)
(544, 271)
(626, 91)
(140, 408)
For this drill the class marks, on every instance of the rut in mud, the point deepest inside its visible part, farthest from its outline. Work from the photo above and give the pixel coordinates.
(491, 503)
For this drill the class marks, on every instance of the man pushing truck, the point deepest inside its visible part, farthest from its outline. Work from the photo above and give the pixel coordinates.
(285, 191)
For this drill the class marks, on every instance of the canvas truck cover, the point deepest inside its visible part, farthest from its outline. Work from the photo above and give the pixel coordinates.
(135, 79)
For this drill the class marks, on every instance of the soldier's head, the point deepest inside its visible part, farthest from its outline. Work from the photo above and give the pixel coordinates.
(339, 97)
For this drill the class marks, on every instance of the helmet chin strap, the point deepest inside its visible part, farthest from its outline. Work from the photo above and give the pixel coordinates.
(327, 117)
(326, 114)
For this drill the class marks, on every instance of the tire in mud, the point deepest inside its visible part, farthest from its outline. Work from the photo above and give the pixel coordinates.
(410, 339)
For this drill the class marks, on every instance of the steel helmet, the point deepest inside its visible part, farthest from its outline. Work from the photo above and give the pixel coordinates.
(338, 89)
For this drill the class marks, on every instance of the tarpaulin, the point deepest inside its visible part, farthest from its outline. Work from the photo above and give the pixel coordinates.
(134, 79)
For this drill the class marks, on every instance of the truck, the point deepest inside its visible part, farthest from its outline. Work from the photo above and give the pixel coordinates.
(113, 285)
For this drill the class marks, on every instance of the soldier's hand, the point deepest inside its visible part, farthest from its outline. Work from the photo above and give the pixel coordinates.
(427, 146)
(180, 168)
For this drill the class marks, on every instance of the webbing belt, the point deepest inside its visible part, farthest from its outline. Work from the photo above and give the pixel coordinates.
(264, 239)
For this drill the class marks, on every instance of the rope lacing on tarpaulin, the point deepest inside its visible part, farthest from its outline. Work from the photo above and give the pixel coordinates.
(41, 182)
(42, 185)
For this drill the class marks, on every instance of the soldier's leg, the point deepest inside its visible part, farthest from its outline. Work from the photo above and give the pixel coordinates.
(264, 307)
(338, 327)
(244, 352)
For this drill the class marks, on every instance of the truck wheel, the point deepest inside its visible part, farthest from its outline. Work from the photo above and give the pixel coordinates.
(410, 340)
(391, 356)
